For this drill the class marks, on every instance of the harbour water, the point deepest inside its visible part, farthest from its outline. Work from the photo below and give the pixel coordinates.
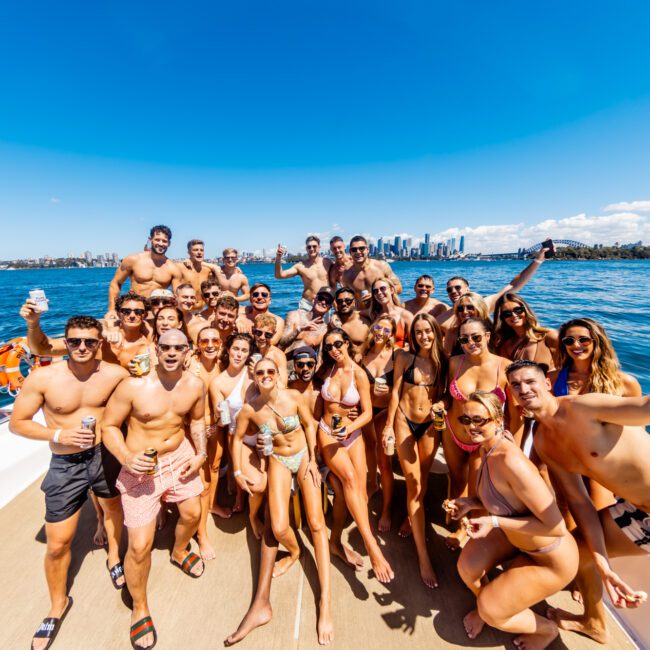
(613, 292)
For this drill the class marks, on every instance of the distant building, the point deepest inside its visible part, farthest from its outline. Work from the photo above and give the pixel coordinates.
(397, 245)
(461, 247)
(452, 246)
(88, 257)
(380, 244)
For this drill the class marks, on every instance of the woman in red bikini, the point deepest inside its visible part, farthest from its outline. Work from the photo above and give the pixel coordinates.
(523, 526)
(420, 380)
(476, 369)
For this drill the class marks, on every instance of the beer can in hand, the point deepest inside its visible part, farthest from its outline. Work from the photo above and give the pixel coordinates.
(38, 296)
(153, 454)
(389, 447)
(224, 413)
(267, 439)
(142, 364)
(89, 422)
(336, 423)
(439, 423)
(380, 382)
(256, 358)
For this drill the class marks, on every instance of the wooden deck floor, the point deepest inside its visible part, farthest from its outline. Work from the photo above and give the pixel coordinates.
(199, 614)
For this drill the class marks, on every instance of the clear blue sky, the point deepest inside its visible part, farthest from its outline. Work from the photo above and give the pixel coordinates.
(254, 122)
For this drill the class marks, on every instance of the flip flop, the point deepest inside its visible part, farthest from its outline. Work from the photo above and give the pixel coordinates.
(141, 628)
(116, 572)
(49, 627)
(186, 565)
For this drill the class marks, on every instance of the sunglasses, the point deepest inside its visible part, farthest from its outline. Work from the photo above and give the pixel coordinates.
(74, 343)
(464, 340)
(345, 301)
(337, 344)
(210, 294)
(508, 313)
(230, 258)
(304, 364)
(267, 335)
(160, 301)
(357, 249)
(164, 347)
(381, 290)
(570, 340)
(463, 308)
(204, 343)
(476, 419)
(127, 311)
(424, 286)
(265, 371)
(385, 330)
(312, 247)
(260, 294)
(455, 287)
(326, 299)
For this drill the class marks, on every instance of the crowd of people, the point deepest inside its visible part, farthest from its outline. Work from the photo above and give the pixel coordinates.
(190, 378)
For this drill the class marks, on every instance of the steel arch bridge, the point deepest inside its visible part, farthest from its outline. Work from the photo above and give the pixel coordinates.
(558, 242)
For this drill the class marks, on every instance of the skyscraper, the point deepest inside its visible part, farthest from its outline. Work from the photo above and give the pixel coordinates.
(452, 246)
(397, 245)
(461, 248)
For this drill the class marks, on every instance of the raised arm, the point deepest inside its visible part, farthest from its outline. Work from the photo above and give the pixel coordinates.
(279, 273)
(625, 411)
(39, 343)
(124, 270)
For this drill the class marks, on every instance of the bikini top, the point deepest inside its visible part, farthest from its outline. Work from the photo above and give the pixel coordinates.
(235, 401)
(458, 394)
(409, 375)
(351, 397)
(291, 423)
(493, 501)
(400, 333)
(561, 386)
(388, 376)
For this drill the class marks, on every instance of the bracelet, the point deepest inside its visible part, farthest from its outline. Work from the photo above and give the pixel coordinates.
(536, 261)
(495, 521)
(236, 473)
(56, 436)
(204, 454)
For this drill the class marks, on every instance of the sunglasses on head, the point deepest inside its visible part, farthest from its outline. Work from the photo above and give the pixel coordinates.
(165, 347)
(267, 335)
(464, 340)
(385, 330)
(160, 301)
(265, 371)
(508, 313)
(476, 419)
(75, 342)
(127, 311)
(419, 285)
(463, 308)
(570, 340)
(260, 294)
(357, 249)
(210, 294)
(455, 287)
(336, 344)
(380, 290)
(345, 301)
(304, 364)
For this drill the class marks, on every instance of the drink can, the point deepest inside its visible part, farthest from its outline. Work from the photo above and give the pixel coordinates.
(38, 296)
(256, 358)
(89, 422)
(439, 423)
(267, 439)
(224, 413)
(153, 454)
(336, 423)
(380, 381)
(142, 364)
(389, 448)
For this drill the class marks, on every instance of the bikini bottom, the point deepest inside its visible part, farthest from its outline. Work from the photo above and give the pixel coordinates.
(459, 443)
(292, 463)
(545, 549)
(418, 429)
(376, 410)
(346, 442)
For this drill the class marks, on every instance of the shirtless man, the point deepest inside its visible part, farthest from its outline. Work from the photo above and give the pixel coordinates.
(197, 271)
(68, 392)
(308, 327)
(260, 303)
(232, 278)
(347, 317)
(148, 270)
(365, 271)
(263, 334)
(423, 303)
(155, 407)
(313, 272)
(342, 261)
(225, 317)
(210, 292)
(602, 437)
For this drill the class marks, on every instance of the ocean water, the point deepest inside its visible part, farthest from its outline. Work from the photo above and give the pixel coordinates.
(613, 292)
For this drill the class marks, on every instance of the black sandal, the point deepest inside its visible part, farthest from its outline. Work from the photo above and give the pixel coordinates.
(141, 628)
(116, 572)
(49, 627)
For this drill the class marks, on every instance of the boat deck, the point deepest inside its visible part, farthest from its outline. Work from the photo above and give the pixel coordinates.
(200, 613)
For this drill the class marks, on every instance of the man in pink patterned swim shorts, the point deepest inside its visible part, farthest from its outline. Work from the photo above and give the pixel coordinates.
(155, 407)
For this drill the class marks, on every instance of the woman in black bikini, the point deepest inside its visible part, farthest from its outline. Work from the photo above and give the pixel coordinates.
(420, 382)
(378, 364)
(523, 526)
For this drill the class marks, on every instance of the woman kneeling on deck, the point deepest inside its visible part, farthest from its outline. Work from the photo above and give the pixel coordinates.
(523, 527)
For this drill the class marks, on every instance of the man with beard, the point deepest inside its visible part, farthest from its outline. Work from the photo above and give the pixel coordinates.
(348, 318)
(148, 270)
(342, 261)
(308, 327)
(195, 270)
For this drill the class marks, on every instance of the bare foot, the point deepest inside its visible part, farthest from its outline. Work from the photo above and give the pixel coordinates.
(578, 623)
(350, 557)
(384, 522)
(147, 640)
(576, 595)
(256, 616)
(380, 566)
(473, 624)
(537, 641)
(405, 528)
(428, 575)
(100, 538)
(325, 625)
(161, 520)
(257, 526)
(221, 511)
(239, 502)
(206, 549)
(283, 565)
(455, 540)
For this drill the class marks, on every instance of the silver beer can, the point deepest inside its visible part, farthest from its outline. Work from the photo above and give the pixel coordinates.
(38, 296)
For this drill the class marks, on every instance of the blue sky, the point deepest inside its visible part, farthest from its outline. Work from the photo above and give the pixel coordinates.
(261, 122)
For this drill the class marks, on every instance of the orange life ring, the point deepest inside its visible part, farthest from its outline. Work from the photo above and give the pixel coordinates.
(12, 377)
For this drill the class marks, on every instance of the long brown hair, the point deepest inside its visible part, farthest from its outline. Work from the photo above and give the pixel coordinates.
(503, 332)
(438, 357)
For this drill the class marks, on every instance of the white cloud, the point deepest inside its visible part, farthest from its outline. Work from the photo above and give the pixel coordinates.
(55, 199)
(628, 206)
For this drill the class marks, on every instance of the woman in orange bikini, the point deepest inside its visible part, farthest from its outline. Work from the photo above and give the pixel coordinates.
(385, 303)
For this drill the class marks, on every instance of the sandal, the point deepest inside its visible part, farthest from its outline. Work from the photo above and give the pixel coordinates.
(49, 627)
(116, 572)
(186, 565)
(141, 628)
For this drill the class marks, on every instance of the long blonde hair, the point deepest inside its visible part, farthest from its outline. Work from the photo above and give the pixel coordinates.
(604, 374)
(479, 304)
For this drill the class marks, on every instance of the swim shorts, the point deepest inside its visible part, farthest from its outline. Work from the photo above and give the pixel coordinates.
(633, 522)
(305, 305)
(142, 493)
(70, 475)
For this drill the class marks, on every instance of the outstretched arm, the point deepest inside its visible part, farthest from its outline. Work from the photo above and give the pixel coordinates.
(625, 411)
(39, 343)
(279, 273)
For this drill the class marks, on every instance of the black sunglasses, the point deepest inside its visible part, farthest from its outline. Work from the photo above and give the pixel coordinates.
(357, 249)
(75, 342)
(476, 419)
(570, 340)
(304, 364)
(210, 294)
(128, 310)
(463, 308)
(337, 344)
(508, 313)
(260, 294)
(345, 301)
(456, 287)
(266, 335)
